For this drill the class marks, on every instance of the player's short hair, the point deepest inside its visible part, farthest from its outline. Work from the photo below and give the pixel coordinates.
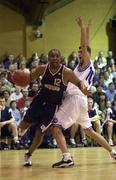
(54, 51)
(88, 49)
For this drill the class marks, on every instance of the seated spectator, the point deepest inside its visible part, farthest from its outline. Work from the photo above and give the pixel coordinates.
(15, 112)
(5, 82)
(17, 94)
(97, 93)
(33, 91)
(107, 79)
(111, 92)
(12, 69)
(43, 59)
(72, 60)
(8, 60)
(100, 60)
(102, 99)
(7, 121)
(20, 58)
(6, 95)
(23, 99)
(22, 66)
(34, 65)
(33, 58)
(110, 59)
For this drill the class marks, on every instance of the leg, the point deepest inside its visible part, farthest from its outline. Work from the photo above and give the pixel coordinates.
(13, 128)
(37, 140)
(100, 140)
(83, 135)
(98, 126)
(73, 130)
(67, 160)
(110, 131)
(23, 127)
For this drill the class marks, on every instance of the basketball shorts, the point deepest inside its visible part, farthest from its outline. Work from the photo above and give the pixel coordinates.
(40, 113)
(74, 109)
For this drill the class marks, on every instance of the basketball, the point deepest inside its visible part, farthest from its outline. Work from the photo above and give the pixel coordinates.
(21, 78)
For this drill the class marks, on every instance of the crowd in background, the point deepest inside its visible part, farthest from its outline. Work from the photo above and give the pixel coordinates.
(101, 105)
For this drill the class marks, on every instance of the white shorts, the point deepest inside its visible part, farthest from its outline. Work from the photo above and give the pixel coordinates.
(74, 109)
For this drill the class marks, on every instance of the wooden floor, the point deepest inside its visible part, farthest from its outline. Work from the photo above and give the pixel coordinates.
(90, 164)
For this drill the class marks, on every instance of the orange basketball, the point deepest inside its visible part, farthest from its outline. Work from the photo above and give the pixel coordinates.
(21, 78)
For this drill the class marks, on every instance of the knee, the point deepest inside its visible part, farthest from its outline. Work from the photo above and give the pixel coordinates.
(55, 130)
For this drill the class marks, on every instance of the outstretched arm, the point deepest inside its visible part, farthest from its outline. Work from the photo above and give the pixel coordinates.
(88, 31)
(84, 40)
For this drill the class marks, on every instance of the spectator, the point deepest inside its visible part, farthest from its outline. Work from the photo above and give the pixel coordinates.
(23, 99)
(72, 60)
(100, 60)
(17, 94)
(34, 89)
(6, 95)
(5, 82)
(110, 59)
(111, 92)
(15, 112)
(8, 60)
(7, 121)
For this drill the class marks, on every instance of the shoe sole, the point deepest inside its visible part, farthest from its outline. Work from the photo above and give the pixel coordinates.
(64, 166)
(27, 165)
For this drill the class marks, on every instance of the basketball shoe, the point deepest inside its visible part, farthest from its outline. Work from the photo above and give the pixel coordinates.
(64, 163)
(113, 154)
(28, 161)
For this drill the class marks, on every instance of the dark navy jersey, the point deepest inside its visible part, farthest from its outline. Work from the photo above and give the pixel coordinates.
(53, 88)
(92, 113)
(6, 114)
(113, 114)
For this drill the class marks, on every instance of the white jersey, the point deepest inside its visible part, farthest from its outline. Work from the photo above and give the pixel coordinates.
(84, 74)
(74, 108)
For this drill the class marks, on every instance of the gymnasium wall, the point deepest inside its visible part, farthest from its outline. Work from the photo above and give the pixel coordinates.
(59, 29)
(12, 31)
(63, 32)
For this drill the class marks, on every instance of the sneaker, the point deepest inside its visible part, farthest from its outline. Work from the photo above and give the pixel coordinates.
(113, 154)
(84, 142)
(63, 163)
(110, 142)
(28, 161)
(54, 142)
(72, 143)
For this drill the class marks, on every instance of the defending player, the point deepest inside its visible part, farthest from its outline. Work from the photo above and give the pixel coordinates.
(74, 107)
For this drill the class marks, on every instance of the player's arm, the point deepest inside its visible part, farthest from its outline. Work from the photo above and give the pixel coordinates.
(95, 118)
(69, 76)
(88, 31)
(84, 40)
(37, 72)
(112, 120)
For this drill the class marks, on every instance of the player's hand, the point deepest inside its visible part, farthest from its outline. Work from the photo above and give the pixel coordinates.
(2, 124)
(79, 21)
(84, 89)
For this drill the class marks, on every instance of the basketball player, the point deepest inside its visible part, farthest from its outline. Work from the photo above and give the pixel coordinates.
(74, 107)
(55, 78)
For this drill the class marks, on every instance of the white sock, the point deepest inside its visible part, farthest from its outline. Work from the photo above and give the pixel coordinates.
(66, 156)
(16, 139)
(72, 140)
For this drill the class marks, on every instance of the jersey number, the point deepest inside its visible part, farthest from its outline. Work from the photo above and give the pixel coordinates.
(57, 82)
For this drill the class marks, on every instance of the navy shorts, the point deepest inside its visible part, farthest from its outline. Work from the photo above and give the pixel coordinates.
(40, 113)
